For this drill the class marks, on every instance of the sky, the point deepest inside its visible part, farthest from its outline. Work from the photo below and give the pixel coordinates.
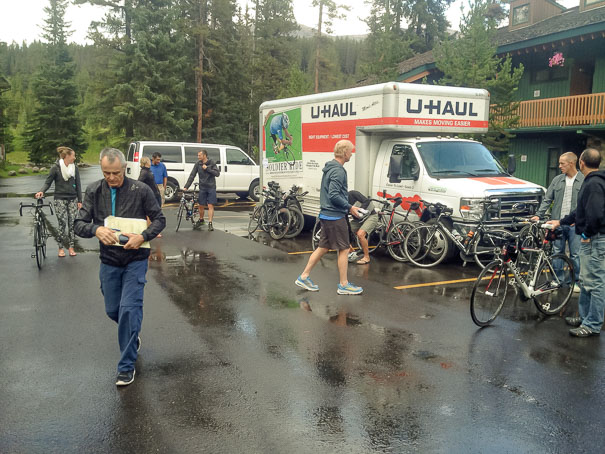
(21, 20)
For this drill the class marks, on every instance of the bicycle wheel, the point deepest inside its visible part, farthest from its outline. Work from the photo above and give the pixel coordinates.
(288, 156)
(555, 280)
(38, 244)
(297, 222)
(44, 235)
(264, 218)
(488, 246)
(373, 239)
(316, 234)
(396, 240)
(526, 259)
(179, 215)
(280, 224)
(489, 293)
(426, 246)
(254, 220)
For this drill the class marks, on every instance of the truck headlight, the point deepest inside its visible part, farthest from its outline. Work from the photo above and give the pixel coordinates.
(471, 209)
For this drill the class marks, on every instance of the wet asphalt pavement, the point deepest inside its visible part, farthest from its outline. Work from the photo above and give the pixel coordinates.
(236, 358)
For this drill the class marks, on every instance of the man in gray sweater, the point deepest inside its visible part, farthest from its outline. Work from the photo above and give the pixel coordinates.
(334, 208)
(562, 194)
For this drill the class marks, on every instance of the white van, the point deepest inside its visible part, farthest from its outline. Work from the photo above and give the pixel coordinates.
(405, 146)
(239, 172)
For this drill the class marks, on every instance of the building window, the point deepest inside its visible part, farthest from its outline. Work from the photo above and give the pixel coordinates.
(591, 2)
(550, 74)
(521, 14)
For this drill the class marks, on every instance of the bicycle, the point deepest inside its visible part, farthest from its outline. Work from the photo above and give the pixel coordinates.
(548, 282)
(387, 233)
(271, 216)
(427, 245)
(189, 206)
(288, 154)
(40, 230)
(530, 237)
(297, 220)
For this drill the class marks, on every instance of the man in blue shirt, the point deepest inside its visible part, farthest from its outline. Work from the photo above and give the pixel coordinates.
(334, 208)
(159, 173)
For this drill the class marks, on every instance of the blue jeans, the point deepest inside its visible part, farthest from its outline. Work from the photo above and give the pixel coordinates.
(122, 288)
(569, 236)
(592, 283)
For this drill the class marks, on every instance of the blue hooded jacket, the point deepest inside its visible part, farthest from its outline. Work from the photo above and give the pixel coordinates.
(333, 198)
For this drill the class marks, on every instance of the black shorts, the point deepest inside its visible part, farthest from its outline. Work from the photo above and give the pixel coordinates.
(207, 196)
(334, 234)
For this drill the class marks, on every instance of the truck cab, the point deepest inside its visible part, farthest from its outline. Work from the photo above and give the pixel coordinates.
(456, 172)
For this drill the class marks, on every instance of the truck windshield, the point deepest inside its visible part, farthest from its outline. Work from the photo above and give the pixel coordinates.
(445, 159)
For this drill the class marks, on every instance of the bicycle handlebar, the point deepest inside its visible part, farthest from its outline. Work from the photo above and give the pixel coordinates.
(38, 205)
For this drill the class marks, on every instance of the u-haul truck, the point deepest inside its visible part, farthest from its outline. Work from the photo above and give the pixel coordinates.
(404, 144)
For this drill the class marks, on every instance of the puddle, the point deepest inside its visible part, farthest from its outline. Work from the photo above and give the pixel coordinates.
(200, 286)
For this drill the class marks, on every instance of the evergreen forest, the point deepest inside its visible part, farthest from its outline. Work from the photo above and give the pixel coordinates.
(197, 70)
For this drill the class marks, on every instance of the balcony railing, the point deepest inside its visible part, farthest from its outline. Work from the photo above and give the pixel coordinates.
(565, 111)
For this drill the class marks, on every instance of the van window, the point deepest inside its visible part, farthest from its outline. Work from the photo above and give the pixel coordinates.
(409, 164)
(170, 153)
(130, 154)
(191, 154)
(235, 156)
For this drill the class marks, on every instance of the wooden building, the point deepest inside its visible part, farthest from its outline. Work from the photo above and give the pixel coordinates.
(562, 91)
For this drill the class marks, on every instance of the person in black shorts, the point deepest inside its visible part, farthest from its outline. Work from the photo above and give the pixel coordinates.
(207, 171)
(334, 208)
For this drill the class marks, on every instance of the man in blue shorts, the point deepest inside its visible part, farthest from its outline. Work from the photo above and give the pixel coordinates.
(279, 125)
(207, 171)
(334, 208)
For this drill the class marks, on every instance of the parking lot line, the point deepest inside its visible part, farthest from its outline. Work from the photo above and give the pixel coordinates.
(429, 284)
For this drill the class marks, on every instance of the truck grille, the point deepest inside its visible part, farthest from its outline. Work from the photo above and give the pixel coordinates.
(512, 203)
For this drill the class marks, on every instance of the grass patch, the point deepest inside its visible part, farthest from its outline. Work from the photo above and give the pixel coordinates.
(90, 156)
(17, 157)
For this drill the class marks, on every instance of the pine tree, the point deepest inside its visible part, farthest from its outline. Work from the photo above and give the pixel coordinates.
(328, 11)
(54, 121)
(471, 61)
(386, 44)
(426, 21)
(144, 87)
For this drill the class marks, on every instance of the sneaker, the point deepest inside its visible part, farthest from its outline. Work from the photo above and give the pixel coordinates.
(138, 343)
(573, 321)
(582, 331)
(210, 228)
(576, 288)
(349, 289)
(307, 284)
(125, 378)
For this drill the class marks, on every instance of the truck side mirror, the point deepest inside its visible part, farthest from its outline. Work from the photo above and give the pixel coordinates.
(394, 173)
(512, 164)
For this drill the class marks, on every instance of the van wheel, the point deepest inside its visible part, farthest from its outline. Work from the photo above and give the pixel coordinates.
(254, 192)
(171, 192)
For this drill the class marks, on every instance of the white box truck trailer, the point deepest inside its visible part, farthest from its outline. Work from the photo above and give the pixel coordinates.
(405, 144)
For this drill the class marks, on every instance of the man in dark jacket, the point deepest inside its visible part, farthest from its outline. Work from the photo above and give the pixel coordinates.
(207, 171)
(589, 219)
(123, 269)
(334, 208)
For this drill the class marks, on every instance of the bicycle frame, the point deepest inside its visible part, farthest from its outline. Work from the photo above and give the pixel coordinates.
(529, 291)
